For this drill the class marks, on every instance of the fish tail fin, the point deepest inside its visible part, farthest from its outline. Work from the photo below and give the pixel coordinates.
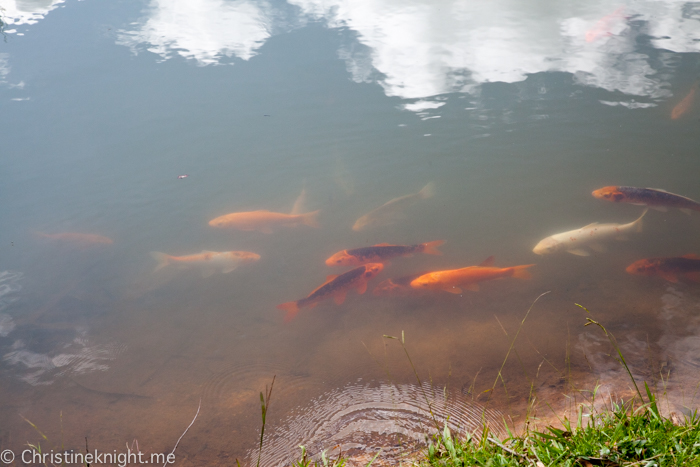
(638, 222)
(521, 272)
(292, 308)
(162, 258)
(310, 218)
(428, 191)
(430, 248)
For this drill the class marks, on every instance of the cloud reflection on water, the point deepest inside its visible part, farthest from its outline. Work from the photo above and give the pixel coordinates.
(421, 49)
(17, 12)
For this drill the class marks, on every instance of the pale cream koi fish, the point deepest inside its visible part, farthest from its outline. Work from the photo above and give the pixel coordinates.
(208, 261)
(578, 241)
(389, 212)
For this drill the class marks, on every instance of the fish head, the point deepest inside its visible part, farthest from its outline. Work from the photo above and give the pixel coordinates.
(342, 258)
(426, 281)
(547, 246)
(360, 223)
(218, 222)
(609, 193)
(643, 267)
(372, 269)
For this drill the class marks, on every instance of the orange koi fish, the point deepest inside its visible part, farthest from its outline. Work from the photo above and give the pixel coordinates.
(208, 261)
(335, 286)
(264, 221)
(469, 277)
(77, 238)
(684, 106)
(381, 253)
(397, 286)
(652, 197)
(604, 25)
(687, 266)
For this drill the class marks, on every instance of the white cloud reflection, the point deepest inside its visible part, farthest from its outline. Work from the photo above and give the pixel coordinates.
(202, 30)
(17, 12)
(423, 48)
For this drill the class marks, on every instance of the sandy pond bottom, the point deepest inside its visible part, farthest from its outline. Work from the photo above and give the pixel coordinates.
(133, 375)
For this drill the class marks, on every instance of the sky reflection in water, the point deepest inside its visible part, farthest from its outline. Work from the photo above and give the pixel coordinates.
(514, 111)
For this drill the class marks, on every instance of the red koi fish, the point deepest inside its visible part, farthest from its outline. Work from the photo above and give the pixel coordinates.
(653, 197)
(671, 269)
(75, 237)
(604, 25)
(335, 286)
(381, 253)
(684, 106)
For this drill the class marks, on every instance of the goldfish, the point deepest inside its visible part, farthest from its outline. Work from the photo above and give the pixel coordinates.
(604, 25)
(336, 286)
(654, 198)
(77, 237)
(670, 269)
(208, 261)
(263, 221)
(389, 212)
(684, 106)
(381, 253)
(397, 286)
(575, 241)
(450, 280)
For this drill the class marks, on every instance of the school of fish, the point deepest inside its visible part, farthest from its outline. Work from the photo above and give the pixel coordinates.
(368, 262)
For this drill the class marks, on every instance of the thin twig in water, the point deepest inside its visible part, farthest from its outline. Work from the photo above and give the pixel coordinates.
(184, 432)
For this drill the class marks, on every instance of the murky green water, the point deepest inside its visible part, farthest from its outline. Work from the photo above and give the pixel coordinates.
(514, 112)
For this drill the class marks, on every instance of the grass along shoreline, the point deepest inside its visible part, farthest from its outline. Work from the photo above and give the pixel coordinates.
(621, 433)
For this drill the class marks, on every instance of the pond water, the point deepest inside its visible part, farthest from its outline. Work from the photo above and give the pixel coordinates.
(511, 114)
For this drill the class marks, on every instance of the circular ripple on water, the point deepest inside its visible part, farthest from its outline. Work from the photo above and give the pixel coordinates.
(237, 385)
(361, 419)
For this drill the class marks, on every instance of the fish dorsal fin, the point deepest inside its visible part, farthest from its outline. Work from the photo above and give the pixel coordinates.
(383, 244)
(691, 256)
(488, 262)
(331, 277)
(661, 190)
(592, 224)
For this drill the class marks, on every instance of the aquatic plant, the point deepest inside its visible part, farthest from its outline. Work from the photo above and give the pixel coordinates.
(627, 433)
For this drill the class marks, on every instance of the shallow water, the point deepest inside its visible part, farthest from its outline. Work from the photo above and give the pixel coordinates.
(515, 113)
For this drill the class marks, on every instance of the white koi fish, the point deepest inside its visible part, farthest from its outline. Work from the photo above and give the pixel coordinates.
(208, 261)
(576, 241)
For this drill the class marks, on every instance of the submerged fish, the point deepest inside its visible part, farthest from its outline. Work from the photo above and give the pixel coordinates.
(264, 221)
(336, 286)
(684, 106)
(671, 269)
(76, 237)
(391, 211)
(397, 286)
(451, 280)
(654, 198)
(381, 253)
(208, 261)
(605, 25)
(575, 241)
